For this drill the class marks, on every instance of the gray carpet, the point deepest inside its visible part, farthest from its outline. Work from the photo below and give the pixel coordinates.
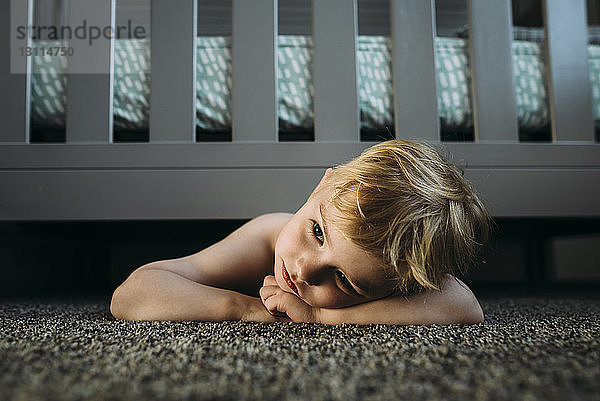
(539, 347)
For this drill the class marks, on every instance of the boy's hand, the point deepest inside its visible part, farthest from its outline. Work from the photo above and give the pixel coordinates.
(281, 303)
(253, 310)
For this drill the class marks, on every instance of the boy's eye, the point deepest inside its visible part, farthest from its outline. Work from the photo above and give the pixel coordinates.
(346, 282)
(317, 232)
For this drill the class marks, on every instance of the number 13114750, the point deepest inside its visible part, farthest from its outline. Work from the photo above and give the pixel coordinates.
(47, 51)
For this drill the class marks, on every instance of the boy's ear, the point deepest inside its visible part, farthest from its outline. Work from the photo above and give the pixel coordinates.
(323, 179)
(326, 175)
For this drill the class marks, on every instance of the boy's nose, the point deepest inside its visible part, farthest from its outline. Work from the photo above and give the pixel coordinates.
(309, 273)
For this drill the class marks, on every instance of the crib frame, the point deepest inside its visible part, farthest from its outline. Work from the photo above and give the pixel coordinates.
(173, 177)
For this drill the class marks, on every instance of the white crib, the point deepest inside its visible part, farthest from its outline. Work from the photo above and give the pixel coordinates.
(90, 177)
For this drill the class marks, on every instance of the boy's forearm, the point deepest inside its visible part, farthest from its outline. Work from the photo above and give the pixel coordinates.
(430, 307)
(382, 311)
(163, 295)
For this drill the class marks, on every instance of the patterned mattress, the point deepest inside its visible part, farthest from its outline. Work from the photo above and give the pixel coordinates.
(295, 84)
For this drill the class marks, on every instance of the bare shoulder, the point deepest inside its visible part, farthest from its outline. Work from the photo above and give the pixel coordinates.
(238, 262)
(461, 295)
(271, 225)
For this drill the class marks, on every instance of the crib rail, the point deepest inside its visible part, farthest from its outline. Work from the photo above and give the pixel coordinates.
(90, 96)
(415, 100)
(173, 66)
(494, 101)
(254, 102)
(335, 30)
(570, 105)
(70, 180)
(15, 100)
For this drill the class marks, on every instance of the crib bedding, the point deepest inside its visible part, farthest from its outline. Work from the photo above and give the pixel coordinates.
(295, 86)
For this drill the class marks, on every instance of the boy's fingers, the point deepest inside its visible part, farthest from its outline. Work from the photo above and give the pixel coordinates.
(269, 280)
(267, 291)
(273, 297)
(271, 305)
(279, 303)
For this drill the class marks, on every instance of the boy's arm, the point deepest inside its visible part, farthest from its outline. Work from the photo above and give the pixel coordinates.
(430, 307)
(163, 295)
(454, 304)
(208, 285)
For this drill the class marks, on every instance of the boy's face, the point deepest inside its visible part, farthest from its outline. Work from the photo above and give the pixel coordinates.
(314, 261)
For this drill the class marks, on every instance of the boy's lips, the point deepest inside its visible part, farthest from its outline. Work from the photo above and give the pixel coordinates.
(288, 280)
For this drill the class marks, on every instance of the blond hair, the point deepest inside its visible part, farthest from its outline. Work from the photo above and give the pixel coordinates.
(404, 203)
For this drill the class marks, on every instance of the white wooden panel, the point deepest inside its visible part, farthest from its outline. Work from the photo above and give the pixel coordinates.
(154, 194)
(89, 83)
(282, 155)
(14, 102)
(254, 103)
(415, 94)
(494, 102)
(173, 71)
(535, 192)
(244, 193)
(335, 75)
(235, 180)
(570, 90)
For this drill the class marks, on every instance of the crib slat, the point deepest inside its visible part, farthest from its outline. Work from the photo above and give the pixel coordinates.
(335, 74)
(415, 94)
(570, 88)
(89, 83)
(14, 104)
(254, 89)
(173, 69)
(490, 41)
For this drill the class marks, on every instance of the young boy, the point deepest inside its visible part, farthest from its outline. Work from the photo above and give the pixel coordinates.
(377, 241)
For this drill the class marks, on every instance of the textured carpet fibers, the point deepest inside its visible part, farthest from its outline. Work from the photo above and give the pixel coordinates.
(538, 347)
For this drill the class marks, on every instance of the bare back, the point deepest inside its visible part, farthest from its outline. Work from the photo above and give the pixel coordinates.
(239, 262)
